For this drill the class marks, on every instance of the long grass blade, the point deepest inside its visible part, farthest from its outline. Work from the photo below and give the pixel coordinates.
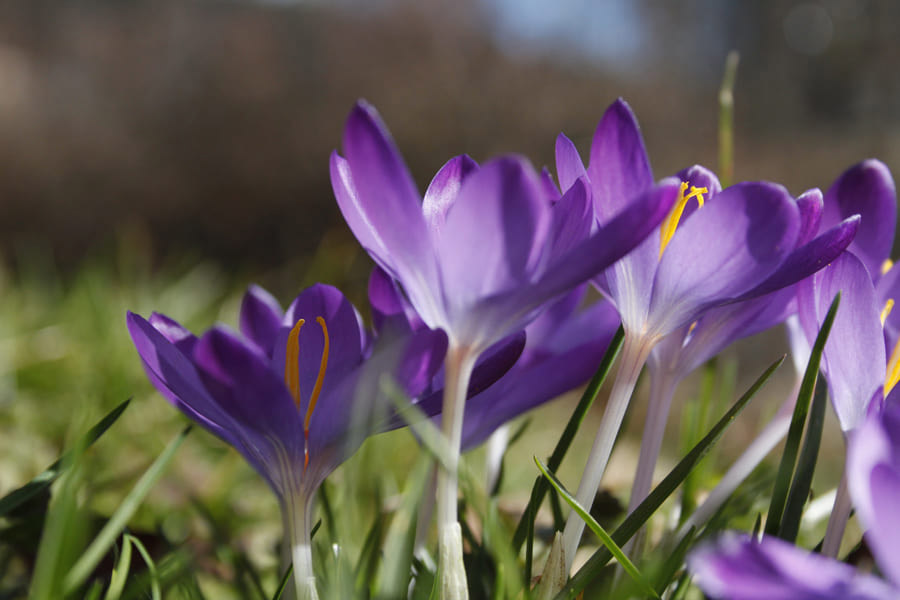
(806, 465)
(107, 536)
(795, 431)
(120, 572)
(604, 537)
(41, 482)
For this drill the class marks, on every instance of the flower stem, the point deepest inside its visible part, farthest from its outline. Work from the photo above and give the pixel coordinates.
(840, 514)
(662, 389)
(296, 510)
(457, 372)
(634, 355)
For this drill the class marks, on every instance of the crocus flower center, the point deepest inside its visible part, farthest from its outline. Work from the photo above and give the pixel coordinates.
(292, 376)
(667, 229)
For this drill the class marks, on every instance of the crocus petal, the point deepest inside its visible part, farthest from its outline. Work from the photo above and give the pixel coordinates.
(569, 167)
(348, 201)
(173, 374)
(389, 205)
(811, 205)
(609, 243)
(444, 188)
(619, 168)
(808, 259)
(739, 568)
(572, 218)
(346, 336)
(494, 237)
(873, 479)
(866, 189)
(549, 186)
(854, 355)
(260, 318)
(720, 326)
(389, 307)
(241, 379)
(173, 331)
(730, 245)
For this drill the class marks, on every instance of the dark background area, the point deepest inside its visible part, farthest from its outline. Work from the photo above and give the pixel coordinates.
(207, 125)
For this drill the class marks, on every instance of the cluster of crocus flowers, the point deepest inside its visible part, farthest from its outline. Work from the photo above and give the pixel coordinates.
(478, 306)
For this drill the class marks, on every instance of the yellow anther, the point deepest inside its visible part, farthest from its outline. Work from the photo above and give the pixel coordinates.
(886, 266)
(667, 229)
(292, 362)
(888, 307)
(318, 387)
(893, 370)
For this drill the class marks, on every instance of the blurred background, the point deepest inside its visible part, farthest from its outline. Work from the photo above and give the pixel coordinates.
(208, 124)
(162, 154)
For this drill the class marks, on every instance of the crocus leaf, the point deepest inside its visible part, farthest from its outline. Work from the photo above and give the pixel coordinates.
(634, 521)
(155, 593)
(605, 538)
(801, 409)
(120, 571)
(368, 556)
(107, 536)
(41, 482)
(565, 440)
(674, 561)
(806, 465)
(283, 583)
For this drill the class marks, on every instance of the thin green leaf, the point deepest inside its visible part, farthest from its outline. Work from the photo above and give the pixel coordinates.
(120, 572)
(107, 536)
(726, 119)
(605, 538)
(661, 492)
(562, 446)
(41, 482)
(393, 574)
(368, 556)
(283, 583)
(800, 486)
(151, 566)
(674, 561)
(94, 592)
(795, 431)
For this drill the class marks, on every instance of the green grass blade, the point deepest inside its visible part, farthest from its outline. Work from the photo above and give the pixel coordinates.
(661, 492)
(17, 497)
(120, 572)
(562, 446)
(726, 120)
(283, 583)
(806, 465)
(151, 566)
(795, 431)
(394, 572)
(107, 536)
(674, 561)
(605, 538)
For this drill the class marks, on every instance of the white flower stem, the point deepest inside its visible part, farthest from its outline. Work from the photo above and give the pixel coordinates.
(457, 372)
(765, 442)
(634, 355)
(662, 389)
(296, 511)
(840, 514)
(493, 460)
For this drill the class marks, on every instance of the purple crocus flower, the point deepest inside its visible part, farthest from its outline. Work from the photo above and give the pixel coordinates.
(479, 256)
(744, 242)
(295, 392)
(737, 567)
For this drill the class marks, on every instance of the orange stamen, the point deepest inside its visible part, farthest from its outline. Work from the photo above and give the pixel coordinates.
(292, 362)
(318, 387)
